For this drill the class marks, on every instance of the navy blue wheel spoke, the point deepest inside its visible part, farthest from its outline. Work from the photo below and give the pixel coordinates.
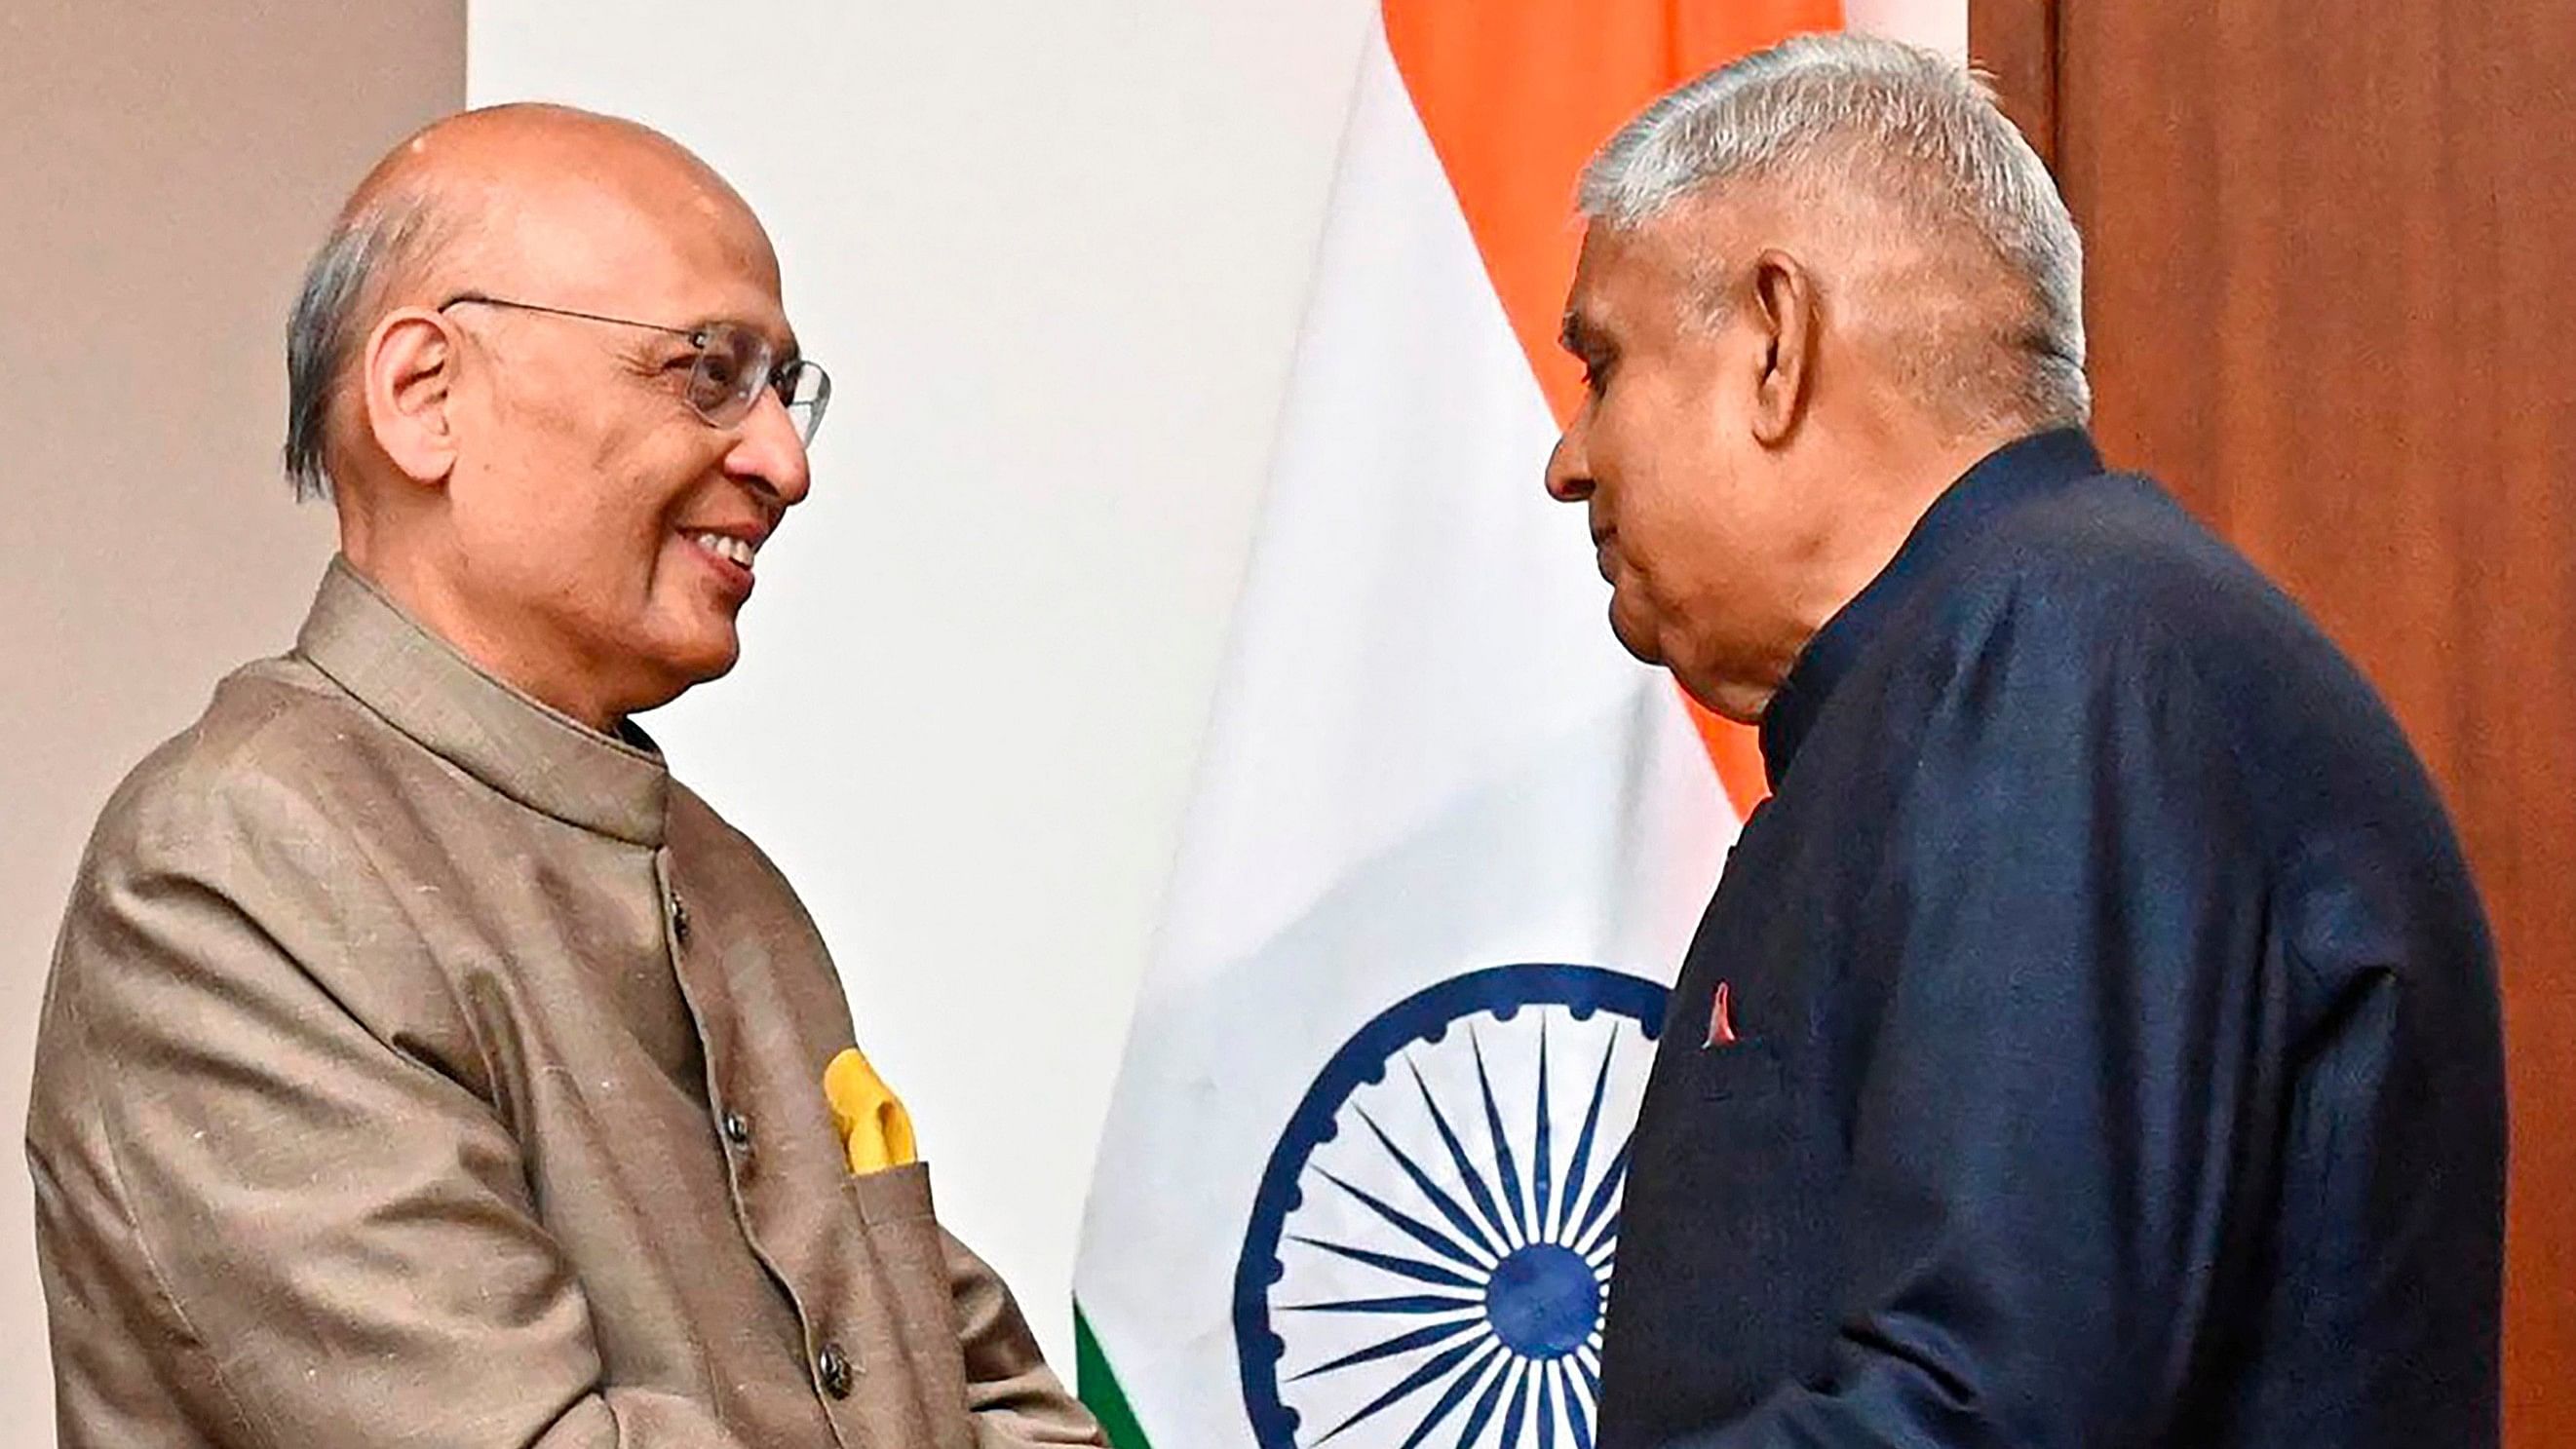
(1406, 1387)
(1602, 1195)
(1411, 1226)
(1506, 1170)
(1541, 1161)
(1417, 1303)
(1577, 1416)
(1459, 1387)
(1430, 1337)
(1492, 1398)
(1574, 1173)
(1546, 1376)
(1516, 1417)
(1477, 1188)
(1413, 1268)
(1590, 1368)
(1439, 1196)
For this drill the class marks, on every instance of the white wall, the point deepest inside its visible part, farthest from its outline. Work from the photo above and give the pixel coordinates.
(1054, 253)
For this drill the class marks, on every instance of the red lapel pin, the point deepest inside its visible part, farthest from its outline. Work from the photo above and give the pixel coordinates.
(1721, 1018)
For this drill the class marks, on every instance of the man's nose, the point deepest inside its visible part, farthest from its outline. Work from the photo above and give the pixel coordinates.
(771, 448)
(1569, 469)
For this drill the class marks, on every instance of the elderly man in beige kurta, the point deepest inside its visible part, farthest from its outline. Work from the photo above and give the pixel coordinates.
(422, 1065)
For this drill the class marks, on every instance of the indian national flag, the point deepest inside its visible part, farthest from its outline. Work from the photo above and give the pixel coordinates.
(1361, 1178)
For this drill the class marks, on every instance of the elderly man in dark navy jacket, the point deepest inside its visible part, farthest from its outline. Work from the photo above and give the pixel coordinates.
(2094, 1040)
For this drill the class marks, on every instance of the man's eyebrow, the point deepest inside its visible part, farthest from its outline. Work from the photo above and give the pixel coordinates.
(1579, 337)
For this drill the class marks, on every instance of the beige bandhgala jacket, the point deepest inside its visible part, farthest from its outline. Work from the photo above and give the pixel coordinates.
(421, 1068)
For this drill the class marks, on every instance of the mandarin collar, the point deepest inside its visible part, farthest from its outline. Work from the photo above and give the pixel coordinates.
(2017, 472)
(419, 684)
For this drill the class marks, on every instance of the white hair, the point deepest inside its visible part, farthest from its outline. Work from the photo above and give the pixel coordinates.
(1844, 117)
(330, 320)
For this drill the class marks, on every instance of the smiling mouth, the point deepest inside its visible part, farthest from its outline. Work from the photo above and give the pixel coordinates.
(736, 551)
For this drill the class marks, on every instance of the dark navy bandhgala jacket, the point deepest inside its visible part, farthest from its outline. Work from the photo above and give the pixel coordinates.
(2110, 1050)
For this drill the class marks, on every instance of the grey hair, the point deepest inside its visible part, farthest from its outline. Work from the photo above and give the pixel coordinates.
(1853, 116)
(341, 284)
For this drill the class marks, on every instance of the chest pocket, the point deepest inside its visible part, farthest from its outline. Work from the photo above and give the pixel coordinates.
(893, 1195)
(1719, 1048)
(893, 1206)
(1746, 1071)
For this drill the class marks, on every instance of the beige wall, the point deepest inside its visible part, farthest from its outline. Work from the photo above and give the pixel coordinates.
(164, 167)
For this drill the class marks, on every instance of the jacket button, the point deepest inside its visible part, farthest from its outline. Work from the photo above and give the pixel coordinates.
(833, 1367)
(737, 1130)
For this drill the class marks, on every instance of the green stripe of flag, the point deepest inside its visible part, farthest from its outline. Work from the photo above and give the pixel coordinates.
(1099, 1390)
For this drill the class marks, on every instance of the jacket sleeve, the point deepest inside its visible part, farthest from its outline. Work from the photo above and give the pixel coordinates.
(1014, 1397)
(2063, 1112)
(259, 1224)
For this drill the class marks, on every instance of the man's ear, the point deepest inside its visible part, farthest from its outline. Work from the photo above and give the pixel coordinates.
(1783, 305)
(406, 377)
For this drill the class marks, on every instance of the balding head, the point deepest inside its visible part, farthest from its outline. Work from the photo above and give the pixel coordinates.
(543, 369)
(493, 200)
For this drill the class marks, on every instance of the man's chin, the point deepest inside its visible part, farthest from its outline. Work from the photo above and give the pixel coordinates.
(681, 670)
(711, 665)
(1638, 640)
